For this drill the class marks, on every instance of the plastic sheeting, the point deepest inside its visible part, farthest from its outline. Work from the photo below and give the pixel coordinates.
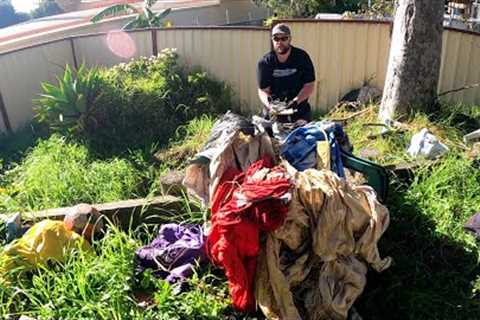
(426, 145)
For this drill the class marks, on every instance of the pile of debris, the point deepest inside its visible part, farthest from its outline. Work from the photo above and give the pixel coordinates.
(294, 237)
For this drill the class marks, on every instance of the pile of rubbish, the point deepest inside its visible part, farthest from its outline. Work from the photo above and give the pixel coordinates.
(292, 234)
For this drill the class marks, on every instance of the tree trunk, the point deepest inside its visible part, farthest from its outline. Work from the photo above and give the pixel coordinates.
(415, 54)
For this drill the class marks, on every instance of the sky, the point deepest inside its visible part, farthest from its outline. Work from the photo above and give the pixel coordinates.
(24, 5)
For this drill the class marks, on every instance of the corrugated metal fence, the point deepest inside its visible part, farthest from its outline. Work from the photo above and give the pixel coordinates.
(346, 54)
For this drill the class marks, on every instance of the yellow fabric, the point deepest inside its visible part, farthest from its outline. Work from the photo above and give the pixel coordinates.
(44, 241)
(333, 229)
(323, 155)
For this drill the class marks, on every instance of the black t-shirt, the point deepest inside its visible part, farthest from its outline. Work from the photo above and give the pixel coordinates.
(285, 79)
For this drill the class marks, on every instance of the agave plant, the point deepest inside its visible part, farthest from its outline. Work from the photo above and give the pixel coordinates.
(67, 107)
(145, 18)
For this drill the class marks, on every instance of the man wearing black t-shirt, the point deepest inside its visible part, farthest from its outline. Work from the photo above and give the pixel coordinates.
(286, 73)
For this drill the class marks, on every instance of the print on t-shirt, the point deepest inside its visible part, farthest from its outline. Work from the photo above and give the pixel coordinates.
(280, 73)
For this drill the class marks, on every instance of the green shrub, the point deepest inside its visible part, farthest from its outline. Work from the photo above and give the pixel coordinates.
(144, 101)
(187, 141)
(68, 107)
(131, 105)
(58, 173)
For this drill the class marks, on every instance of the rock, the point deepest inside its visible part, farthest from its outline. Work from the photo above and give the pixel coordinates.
(369, 153)
(472, 137)
(363, 95)
(171, 183)
(474, 152)
(83, 219)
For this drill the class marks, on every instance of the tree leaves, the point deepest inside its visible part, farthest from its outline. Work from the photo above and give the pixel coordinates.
(146, 18)
(113, 11)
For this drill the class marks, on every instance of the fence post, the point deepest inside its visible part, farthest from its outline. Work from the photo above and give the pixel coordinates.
(74, 54)
(154, 42)
(3, 111)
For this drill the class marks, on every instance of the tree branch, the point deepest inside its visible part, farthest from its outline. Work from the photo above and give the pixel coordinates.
(459, 89)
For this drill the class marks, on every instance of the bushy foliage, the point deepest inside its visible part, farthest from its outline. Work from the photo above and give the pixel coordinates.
(145, 18)
(309, 8)
(46, 8)
(8, 15)
(137, 104)
(379, 8)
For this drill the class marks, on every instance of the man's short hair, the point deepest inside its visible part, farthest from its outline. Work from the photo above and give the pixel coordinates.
(281, 28)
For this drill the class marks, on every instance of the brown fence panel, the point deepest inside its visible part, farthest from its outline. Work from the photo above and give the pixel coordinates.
(346, 55)
(111, 48)
(22, 72)
(460, 66)
(229, 54)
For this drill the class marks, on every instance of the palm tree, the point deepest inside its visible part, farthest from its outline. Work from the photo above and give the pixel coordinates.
(144, 19)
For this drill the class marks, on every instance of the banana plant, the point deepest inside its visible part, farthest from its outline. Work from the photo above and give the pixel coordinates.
(145, 18)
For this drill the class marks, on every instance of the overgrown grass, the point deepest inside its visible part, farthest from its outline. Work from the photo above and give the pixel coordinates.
(101, 285)
(436, 269)
(59, 173)
(391, 148)
(110, 158)
(14, 146)
(188, 140)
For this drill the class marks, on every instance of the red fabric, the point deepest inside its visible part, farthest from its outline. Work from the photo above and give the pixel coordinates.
(233, 242)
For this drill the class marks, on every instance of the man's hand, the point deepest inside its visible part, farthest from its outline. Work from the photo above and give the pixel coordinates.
(271, 106)
(293, 104)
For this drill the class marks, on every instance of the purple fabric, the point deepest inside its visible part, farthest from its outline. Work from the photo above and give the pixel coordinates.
(174, 253)
(473, 225)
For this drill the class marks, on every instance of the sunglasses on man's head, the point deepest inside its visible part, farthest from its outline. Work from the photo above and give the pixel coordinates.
(277, 39)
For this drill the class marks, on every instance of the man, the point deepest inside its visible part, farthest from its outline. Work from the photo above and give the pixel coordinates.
(286, 73)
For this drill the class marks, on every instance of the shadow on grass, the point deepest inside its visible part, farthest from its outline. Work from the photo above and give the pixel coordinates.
(14, 146)
(433, 276)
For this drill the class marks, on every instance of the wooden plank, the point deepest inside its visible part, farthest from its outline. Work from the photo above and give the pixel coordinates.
(127, 212)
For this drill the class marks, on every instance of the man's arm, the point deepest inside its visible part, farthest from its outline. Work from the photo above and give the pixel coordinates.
(264, 79)
(306, 91)
(265, 95)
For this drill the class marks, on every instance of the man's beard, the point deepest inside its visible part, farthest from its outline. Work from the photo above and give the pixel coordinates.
(283, 50)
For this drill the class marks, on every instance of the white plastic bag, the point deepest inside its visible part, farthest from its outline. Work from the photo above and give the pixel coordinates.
(425, 144)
